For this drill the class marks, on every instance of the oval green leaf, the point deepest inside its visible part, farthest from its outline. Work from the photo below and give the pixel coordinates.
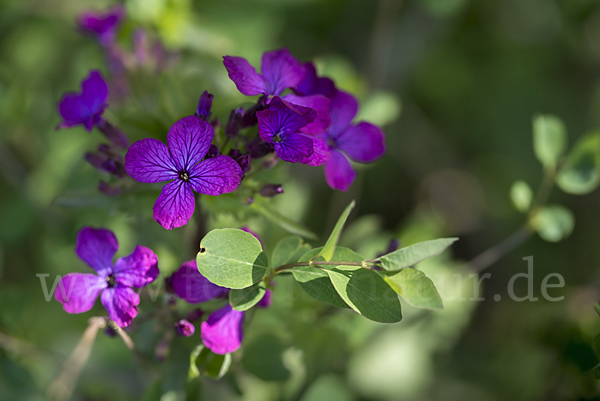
(549, 139)
(367, 293)
(416, 288)
(553, 223)
(581, 172)
(411, 255)
(265, 208)
(232, 258)
(246, 298)
(288, 250)
(521, 196)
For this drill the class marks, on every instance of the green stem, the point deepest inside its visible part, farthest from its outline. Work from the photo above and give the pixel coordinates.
(321, 263)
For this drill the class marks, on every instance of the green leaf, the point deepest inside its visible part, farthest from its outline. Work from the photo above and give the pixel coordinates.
(327, 250)
(411, 255)
(367, 293)
(596, 346)
(316, 281)
(232, 258)
(597, 308)
(416, 288)
(581, 172)
(264, 207)
(553, 223)
(549, 139)
(288, 250)
(203, 360)
(596, 371)
(246, 298)
(521, 196)
(263, 358)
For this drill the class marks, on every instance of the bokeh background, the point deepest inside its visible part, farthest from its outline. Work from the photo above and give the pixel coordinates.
(454, 84)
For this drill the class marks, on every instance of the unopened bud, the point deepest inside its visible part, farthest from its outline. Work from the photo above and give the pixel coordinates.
(270, 190)
(204, 105)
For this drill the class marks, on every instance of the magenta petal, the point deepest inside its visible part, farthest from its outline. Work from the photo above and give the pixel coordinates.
(342, 109)
(317, 102)
(78, 292)
(192, 286)
(266, 300)
(216, 176)
(94, 92)
(245, 77)
(294, 148)
(222, 332)
(363, 142)
(97, 247)
(121, 304)
(339, 172)
(320, 155)
(149, 161)
(138, 269)
(281, 70)
(175, 205)
(189, 140)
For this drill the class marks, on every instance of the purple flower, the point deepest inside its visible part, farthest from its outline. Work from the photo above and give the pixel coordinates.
(97, 247)
(311, 84)
(266, 300)
(102, 25)
(280, 70)
(204, 106)
(191, 286)
(106, 159)
(86, 107)
(184, 328)
(280, 125)
(362, 142)
(189, 139)
(222, 333)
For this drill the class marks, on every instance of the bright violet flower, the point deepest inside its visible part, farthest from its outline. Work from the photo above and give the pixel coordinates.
(86, 107)
(362, 142)
(189, 139)
(280, 125)
(102, 25)
(191, 286)
(222, 333)
(311, 84)
(280, 70)
(97, 247)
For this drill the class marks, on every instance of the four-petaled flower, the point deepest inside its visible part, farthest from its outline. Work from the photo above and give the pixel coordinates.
(97, 247)
(86, 107)
(189, 139)
(362, 142)
(280, 70)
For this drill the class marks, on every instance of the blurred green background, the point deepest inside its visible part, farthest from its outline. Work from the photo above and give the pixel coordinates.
(454, 83)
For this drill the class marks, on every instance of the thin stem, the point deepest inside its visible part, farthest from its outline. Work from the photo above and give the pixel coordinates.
(493, 254)
(321, 263)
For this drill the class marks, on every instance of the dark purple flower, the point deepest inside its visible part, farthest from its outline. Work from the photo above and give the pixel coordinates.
(317, 102)
(97, 247)
(280, 70)
(271, 190)
(222, 333)
(86, 107)
(191, 286)
(280, 125)
(234, 124)
(243, 160)
(204, 105)
(266, 300)
(258, 148)
(109, 189)
(189, 139)
(113, 134)
(102, 25)
(184, 328)
(362, 142)
(213, 151)
(106, 159)
(311, 84)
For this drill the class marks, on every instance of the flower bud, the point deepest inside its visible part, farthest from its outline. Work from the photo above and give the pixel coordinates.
(258, 148)
(236, 119)
(270, 190)
(184, 328)
(213, 151)
(204, 105)
(243, 160)
(113, 134)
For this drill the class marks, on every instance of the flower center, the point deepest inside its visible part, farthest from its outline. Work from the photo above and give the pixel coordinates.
(110, 280)
(276, 138)
(331, 143)
(183, 175)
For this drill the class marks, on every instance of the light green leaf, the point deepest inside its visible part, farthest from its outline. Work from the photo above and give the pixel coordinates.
(288, 250)
(327, 250)
(246, 298)
(203, 360)
(264, 207)
(549, 139)
(316, 281)
(553, 223)
(263, 358)
(367, 293)
(416, 288)
(411, 255)
(521, 196)
(581, 172)
(232, 258)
